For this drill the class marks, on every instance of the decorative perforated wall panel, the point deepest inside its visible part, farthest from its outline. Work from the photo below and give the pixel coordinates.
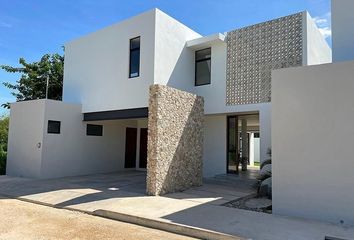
(252, 52)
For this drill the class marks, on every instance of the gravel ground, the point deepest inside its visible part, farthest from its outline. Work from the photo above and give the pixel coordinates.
(23, 220)
(258, 204)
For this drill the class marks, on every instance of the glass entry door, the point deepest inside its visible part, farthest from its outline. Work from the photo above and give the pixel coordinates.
(242, 142)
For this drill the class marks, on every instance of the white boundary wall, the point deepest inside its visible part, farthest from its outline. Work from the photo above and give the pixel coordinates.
(312, 142)
(342, 30)
(32, 152)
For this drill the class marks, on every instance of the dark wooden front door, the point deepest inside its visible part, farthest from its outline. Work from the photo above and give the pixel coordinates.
(143, 147)
(130, 147)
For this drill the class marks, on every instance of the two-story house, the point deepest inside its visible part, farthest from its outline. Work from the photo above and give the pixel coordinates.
(102, 123)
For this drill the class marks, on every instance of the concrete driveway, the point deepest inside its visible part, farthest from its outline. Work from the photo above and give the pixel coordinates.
(122, 196)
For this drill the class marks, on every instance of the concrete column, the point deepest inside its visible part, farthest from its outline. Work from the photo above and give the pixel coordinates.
(244, 144)
(252, 156)
(265, 131)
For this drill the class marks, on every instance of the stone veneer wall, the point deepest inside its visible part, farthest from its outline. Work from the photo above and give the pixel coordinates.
(175, 140)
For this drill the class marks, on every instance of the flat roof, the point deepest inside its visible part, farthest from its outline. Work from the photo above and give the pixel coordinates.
(206, 41)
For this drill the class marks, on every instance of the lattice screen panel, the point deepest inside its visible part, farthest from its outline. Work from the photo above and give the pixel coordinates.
(252, 52)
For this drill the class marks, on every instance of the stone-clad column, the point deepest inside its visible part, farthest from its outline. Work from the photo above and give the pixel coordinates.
(175, 140)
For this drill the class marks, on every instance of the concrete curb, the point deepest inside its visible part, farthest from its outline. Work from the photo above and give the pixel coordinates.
(166, 226)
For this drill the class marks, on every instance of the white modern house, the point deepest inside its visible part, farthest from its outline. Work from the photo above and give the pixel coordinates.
(151, 94)
(101, 124)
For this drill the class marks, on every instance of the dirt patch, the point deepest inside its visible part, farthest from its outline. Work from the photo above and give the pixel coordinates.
(23, 220)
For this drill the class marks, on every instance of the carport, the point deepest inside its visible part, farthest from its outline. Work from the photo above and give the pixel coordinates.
(134, 136)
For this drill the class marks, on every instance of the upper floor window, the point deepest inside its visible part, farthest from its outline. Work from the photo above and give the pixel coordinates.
(202, 67)
(134, 57)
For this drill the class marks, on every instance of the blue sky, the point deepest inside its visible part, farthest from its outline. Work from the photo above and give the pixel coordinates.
(32, 28)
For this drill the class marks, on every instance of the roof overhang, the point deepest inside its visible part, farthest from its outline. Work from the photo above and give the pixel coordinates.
(205, 42)
(117, 114)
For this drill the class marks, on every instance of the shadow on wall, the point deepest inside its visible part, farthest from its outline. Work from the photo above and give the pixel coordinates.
(182, 75)
(175, 141)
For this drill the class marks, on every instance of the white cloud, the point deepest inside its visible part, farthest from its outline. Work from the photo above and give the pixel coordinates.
(326, 32)
(320, 21)
(323, 24)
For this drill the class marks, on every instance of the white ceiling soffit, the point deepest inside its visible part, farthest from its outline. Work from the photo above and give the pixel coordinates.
(204, 42)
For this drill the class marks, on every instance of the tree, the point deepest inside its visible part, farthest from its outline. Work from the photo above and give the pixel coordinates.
(33, 80)
(4, 130)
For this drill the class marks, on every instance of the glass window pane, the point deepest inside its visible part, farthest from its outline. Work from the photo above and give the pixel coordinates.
(135, 43)
(134, 63)
(94, 130)
(203, 72)
(53, 127)
(203, 54)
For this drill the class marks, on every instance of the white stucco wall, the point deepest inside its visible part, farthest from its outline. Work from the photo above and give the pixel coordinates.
(174, 62)
(25, 133)
(214, 93)
(69, 153)
(214, 150)
(97, 65)
(342, 33)
(96, 70)
(312, 136)
(72, 152)
(316, 50)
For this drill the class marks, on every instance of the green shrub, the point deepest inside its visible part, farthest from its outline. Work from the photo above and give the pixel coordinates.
(3, 156)
(4, 129)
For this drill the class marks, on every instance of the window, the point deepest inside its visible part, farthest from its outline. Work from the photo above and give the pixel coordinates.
(53, 127)
(94, 130)
(202, 67)
(134, 57)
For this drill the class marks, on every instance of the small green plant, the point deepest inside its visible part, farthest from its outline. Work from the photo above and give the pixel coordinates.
(4, 129)
(3, 157)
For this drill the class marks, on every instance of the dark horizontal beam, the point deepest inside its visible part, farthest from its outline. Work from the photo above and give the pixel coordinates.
(117, 114)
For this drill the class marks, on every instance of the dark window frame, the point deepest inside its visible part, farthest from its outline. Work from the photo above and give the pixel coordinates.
(228, 141)
(50, 131)
(93, 133)
(131, 50)
(195, 66)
